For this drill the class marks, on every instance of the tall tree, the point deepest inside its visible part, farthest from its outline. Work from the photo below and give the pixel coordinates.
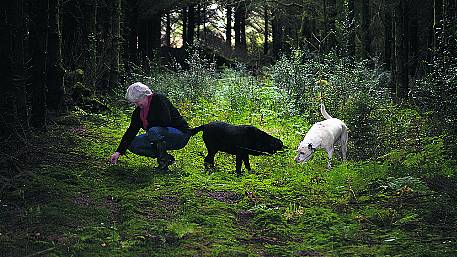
(12, 68)
(38, 40)
(228, 30)
(191, 24)
(403, 56)
(18, 76)
(351, 25)
(413, 38)
(240, 28)
(91, 68)
(116, 49)
(277, 34)
(330, 23)
(168, 29)
(388, 33)
(55, 70)
(365, 29)
(266, 19)
(131, 12)
(184, 26)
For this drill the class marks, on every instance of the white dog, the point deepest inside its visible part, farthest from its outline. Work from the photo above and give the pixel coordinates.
(325, 135)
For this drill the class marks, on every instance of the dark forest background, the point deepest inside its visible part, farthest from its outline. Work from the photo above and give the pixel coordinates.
(54, 53)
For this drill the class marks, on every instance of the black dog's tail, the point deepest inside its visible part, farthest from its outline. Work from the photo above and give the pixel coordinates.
(194, 131)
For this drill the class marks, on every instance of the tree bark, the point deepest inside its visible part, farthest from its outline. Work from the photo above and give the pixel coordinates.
(132, 33)
(191, 25)
(168, 30)
(277, 35)
(38, 36)
(266, 29)
(351, 27)
(143, 42)
(18, 76)
(331, 24)
(155, 31)
(228, 31)
(184, 26)
(403, 85)
(55, 70)
(412, 39)
(116, 49)
(388, 33)
(240, 28)
(365, 26)
(91, 70)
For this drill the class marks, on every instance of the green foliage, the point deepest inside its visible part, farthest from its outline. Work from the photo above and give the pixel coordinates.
(190, 84)
(437, 93)
(377, 206)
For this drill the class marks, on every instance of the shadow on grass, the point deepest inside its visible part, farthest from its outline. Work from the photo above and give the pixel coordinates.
(137, 177)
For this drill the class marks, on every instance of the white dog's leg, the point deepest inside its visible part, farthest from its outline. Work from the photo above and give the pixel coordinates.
(330, 153)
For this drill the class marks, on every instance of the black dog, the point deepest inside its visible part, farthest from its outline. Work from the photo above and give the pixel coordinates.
(242, 141)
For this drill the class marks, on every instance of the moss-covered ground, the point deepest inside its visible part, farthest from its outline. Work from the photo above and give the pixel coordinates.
(61, 197)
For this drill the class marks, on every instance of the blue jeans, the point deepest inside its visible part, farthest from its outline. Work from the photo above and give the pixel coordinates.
(174, 139)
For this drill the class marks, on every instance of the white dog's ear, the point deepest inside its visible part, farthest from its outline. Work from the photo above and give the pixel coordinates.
(310, 146)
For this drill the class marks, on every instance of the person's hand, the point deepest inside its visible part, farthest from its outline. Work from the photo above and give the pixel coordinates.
(114, 157)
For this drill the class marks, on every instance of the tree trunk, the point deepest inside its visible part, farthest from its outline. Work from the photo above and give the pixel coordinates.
(191, 25)
(403, 85)
(116, 51)
(228, 31)
(168, 30)
(184, 27)
(243, 43)
(277, 34)
(240, 28)
(351, 27)
(17, 64)
(143, 43)
(38, 36)
(437, 24)
(331, 24)
(132, 15)
(91, 70)
(266, 30)
(203, 20)
(413, 40)
(365, 26)
(155, 31)
(55, 70)
(11, 65)
(388, 33)
(237, 27)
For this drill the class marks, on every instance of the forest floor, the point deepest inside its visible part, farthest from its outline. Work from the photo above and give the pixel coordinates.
(61, 197)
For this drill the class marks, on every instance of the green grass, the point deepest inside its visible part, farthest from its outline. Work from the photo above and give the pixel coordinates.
(74, 203)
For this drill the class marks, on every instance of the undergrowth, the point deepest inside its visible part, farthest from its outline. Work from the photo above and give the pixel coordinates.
(69, 201)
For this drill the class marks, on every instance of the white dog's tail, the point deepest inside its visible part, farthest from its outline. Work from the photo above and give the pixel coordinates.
(324, 112)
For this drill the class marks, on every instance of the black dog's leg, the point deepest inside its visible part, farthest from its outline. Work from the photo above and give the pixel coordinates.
(209, 159)
(246, 163)
(239, 160)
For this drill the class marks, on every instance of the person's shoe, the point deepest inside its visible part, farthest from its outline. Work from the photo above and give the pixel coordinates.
(171, 159)
(164, 159)
(164, 163)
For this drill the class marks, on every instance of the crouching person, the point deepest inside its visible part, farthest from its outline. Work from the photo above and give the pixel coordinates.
(165, 128)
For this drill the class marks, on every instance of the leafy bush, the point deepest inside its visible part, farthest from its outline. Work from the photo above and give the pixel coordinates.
(436, 93)
(190, 84)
